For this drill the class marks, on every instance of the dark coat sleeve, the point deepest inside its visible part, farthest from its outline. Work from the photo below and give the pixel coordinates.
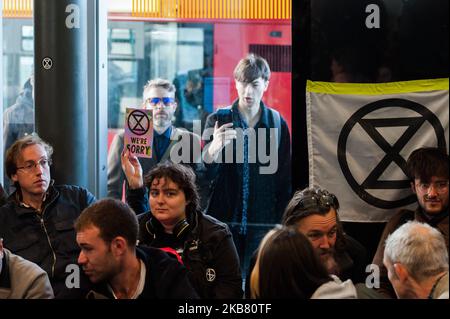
(229, 279)
(88, 198)
(138, 200)
(171, 278)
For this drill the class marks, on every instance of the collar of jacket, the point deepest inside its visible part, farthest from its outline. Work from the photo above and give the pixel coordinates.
(263, 120)
(50, 196)
(101, 291)
(193, 221)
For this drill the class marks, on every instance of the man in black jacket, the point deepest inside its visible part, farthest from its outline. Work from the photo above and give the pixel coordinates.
(107, 233)
(37, 221)
(247, 155)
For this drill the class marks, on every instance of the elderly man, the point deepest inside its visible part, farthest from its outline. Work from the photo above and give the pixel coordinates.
(416, 259)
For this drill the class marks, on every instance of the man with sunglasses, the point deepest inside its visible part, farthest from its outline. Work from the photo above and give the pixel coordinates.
(159, 96)
(37, 222)
(427, 169)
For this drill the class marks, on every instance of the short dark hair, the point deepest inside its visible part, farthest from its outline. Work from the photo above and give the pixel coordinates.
(14, 151)
(113, 218)
(313, 201)
(289, 267)
(181, 175)
(251, 68)
(426, 162)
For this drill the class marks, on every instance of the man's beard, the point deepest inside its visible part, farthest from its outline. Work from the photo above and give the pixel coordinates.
(162, 121)
(329, 261)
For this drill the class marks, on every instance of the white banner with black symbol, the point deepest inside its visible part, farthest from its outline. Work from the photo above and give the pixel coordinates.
(360, 136)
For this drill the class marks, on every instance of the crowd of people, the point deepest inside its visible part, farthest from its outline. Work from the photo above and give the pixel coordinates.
(251, 238)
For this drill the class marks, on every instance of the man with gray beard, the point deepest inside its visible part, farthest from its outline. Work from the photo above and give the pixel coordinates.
(169, 142)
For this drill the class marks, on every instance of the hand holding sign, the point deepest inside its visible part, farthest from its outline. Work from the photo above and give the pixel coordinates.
(132, 169)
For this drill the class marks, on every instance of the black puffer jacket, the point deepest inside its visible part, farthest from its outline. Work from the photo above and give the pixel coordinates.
(207, 249)
(47, 239)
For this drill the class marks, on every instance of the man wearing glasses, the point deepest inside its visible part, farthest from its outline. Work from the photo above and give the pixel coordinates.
(159, 96)
(427, 170)
(37, 221)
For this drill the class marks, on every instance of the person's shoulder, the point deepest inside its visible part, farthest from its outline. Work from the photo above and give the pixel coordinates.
(211, 225)
(72, 191)
(400, 217)
(275, 112)
(143, 218)
(352, 243)
(66, 188)
(213, 116)
(156, 258)
(8, 207)
(21, 266)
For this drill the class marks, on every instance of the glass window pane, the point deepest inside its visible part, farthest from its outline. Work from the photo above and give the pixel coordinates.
(199, 58)
(18, 102)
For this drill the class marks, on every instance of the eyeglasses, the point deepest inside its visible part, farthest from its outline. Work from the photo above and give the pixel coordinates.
(440, 187)
(30, 166)
(167, 101)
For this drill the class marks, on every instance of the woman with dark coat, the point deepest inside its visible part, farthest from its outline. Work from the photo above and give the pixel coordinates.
(175, 223)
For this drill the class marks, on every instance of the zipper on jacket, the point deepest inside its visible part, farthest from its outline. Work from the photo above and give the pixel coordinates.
(49, 243)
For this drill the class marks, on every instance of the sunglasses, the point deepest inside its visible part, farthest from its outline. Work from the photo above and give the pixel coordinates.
(167, 101)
